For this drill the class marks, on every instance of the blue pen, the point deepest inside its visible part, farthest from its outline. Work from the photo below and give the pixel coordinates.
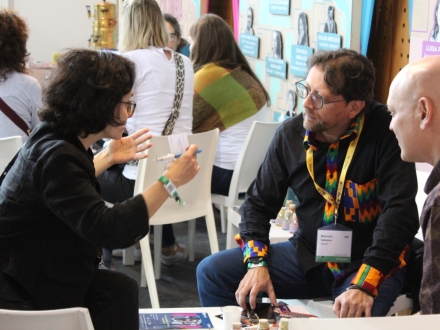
(170, 157)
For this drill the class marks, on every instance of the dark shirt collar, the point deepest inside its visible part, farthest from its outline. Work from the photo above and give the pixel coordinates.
(351, 133)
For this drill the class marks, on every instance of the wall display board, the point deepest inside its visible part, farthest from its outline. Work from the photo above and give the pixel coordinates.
(280, 7)
(425, 29)
(278, 37)
(248, 42)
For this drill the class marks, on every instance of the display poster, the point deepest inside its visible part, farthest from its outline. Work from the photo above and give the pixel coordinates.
(279, 36)
(299, 57)
(279, 7)
(328, 41)
(249, 45)
(425, 29)
(276, 67)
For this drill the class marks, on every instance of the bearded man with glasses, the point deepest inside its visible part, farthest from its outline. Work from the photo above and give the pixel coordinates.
(357, 215)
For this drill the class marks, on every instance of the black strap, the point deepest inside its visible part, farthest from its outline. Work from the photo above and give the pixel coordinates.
(12, 115)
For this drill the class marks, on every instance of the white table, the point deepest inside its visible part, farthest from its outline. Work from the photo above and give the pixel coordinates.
(296, 306)
(276, 234)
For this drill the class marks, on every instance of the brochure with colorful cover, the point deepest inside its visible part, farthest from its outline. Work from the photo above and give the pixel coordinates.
(174, 321)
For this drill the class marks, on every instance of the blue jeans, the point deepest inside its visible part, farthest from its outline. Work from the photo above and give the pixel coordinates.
(217, 283)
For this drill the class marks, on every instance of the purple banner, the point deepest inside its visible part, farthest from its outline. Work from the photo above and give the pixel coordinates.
(430, 48)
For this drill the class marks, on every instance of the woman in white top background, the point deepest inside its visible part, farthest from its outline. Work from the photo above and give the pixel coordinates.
(227, 94)
(21, 92)
(143, 40)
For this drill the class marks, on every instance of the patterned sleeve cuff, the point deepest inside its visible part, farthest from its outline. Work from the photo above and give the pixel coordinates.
(369, 279)
(251, 249)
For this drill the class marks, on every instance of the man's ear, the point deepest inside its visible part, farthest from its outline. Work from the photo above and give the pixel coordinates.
(356, 106)
(425, 112)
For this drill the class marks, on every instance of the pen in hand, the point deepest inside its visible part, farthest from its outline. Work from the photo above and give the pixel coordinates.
(170, 157)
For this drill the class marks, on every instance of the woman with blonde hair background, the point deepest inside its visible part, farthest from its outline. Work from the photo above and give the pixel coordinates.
(227, 94)
(143, 39)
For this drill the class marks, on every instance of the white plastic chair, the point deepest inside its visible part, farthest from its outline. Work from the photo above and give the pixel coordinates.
(66, 319)
(197, 193)
(251, 156)
(9, 146)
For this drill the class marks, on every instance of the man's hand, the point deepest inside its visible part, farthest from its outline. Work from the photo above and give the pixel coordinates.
(255, 281)
(353, 303)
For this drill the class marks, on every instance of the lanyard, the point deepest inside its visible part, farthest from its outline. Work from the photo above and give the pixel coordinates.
(348, 158)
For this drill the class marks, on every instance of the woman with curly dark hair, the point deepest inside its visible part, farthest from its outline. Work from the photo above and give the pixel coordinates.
(19, 91)
(53, 220)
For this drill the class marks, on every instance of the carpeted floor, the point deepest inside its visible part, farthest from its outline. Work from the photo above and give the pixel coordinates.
(177, 286)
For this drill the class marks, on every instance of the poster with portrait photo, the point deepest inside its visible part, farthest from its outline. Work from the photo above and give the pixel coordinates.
(291, 103)
(303, 30)
(425, 30)
(275, 65)
(249, 21)
(330, 24)
(248, 42)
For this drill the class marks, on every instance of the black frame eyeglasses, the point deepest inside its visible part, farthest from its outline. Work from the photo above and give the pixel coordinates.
(172, 36)
(317, 100)
(130, 106)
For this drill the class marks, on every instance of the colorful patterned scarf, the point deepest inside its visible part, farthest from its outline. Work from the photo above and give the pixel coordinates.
(331, 181)
(224, 97)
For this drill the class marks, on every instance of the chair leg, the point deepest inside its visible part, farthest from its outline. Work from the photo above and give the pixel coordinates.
(191, 237)
(128, 256)
(223, 217)
(212, 232)
(231, 231)
(157, 250)
(148, 272)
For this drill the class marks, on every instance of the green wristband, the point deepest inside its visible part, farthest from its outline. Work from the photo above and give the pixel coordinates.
(261, 263)
(171, 190)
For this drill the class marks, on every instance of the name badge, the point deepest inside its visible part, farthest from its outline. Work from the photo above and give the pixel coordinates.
(334, 244)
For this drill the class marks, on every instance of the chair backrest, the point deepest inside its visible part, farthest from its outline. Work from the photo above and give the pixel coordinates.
(250, 158)
(197, 192)
(9, 146)
(66, 319)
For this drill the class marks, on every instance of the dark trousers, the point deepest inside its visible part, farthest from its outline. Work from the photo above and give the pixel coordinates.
(221, 180)
(116, 188)
(112, 299)
(217, 288)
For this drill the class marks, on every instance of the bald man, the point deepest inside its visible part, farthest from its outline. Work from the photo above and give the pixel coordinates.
(414, 104)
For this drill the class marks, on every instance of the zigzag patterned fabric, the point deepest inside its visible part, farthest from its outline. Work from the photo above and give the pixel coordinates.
(251, 249)
(332, 179)
(360, 202)
(331, 182)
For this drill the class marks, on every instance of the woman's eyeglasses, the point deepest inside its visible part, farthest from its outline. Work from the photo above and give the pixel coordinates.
(131, 106)
(317, 100)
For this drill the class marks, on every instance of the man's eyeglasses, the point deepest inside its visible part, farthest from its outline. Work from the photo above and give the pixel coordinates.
(172, 36)
(317, 100)
(131, 106)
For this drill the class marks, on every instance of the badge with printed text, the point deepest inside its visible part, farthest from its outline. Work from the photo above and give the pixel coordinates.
(333, 244)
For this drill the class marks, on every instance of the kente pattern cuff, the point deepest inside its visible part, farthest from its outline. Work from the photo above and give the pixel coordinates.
(369, 279)
(253, 249)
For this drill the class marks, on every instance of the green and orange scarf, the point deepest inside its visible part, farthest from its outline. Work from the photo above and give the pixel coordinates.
(224, 97)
